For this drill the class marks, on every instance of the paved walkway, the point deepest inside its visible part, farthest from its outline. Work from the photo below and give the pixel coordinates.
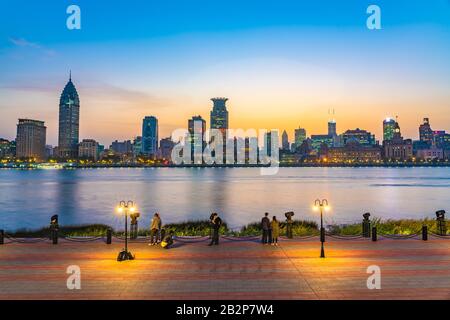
(410, 269)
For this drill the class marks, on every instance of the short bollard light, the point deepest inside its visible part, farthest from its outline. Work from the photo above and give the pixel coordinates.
(441, 223)
(321, 205)
(374, 234)
(424, 233)
(125, 207)
(366, 225)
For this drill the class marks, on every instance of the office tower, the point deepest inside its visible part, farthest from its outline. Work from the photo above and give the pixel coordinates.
(268, 143)
(49, 151)
(425, 132)
(285, 141)
(196, 129)
(7, 148)
(398, 148)
(219, 114)
(320, 140)
(88, 149)
(122, 147)
(165, 148)
(31, 135)
(219, 120)
(150, 136)
(69, 121)
(388, 128)
(137, 146)
(300, 136)
(332, 128)
(358, 135)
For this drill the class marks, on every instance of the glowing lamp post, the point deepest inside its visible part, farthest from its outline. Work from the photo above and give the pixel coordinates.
(321, 205)
(125, 207)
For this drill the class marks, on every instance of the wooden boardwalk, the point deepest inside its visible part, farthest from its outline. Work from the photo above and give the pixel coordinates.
(410, 269)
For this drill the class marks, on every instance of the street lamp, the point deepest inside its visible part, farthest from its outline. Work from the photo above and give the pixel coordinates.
(320, 205)
(125, 207)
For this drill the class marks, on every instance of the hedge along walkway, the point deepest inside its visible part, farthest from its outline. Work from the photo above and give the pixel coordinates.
(410, 269)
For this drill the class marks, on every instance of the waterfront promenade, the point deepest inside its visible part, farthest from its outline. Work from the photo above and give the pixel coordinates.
(410, 269)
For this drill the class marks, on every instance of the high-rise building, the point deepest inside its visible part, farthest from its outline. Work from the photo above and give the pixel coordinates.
(268, 143)
(31, 136)
(196, 129)
(7, 148)
(439, 138)
(425, 132)
(397, 148)
(165, 148)
(388, 128)
(150, 136)
(88, 148)
(49, 151)
(219, 114)
(300, 136)
(219, 120)
(285, 141)
(122, 147)
(137, 146)
(320, 140)
(332, 132)
(332, 128)
(363, 137)
(69, 121)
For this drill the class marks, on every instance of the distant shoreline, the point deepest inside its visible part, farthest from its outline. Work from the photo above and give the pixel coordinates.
(303, 165)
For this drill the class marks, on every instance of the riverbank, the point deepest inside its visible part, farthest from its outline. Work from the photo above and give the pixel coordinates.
(300, 228)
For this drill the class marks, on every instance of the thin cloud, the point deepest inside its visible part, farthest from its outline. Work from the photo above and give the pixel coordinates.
(24, 43)
(21, 42)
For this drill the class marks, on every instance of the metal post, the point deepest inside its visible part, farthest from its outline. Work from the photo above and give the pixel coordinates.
(322, 235)
(109, 236)
(424, 233)
(126, 231)
(374, 234)
(2, 236)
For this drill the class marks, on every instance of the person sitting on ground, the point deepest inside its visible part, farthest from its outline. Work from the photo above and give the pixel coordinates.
(275, 231)
(265, 226)
(168, 240)
(155, 228)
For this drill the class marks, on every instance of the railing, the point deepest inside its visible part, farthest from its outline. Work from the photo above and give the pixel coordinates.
(422, 234)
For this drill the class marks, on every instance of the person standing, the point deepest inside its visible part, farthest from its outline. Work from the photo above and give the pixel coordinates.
(265, 226)
(155, 228)
(275, 231)
(216, 224)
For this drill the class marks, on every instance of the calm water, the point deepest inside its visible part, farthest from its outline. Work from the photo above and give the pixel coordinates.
(240, 195)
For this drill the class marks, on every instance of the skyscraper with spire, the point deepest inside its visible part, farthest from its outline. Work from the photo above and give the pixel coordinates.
(69, 121)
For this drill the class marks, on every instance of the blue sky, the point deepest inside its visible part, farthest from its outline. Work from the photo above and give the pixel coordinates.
(281, 63)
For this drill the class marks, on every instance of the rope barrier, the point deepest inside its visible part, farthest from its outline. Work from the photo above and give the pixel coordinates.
(196, 239)
(23, 240)
(245, 238)
(79, 239)
(441, 236)
(191, 239)
(344, 237)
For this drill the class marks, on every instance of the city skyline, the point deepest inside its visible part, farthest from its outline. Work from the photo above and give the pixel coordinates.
(282, 66)
(218, 119)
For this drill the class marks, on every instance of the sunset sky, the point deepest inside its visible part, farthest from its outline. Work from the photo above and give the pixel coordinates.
(282, 64)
